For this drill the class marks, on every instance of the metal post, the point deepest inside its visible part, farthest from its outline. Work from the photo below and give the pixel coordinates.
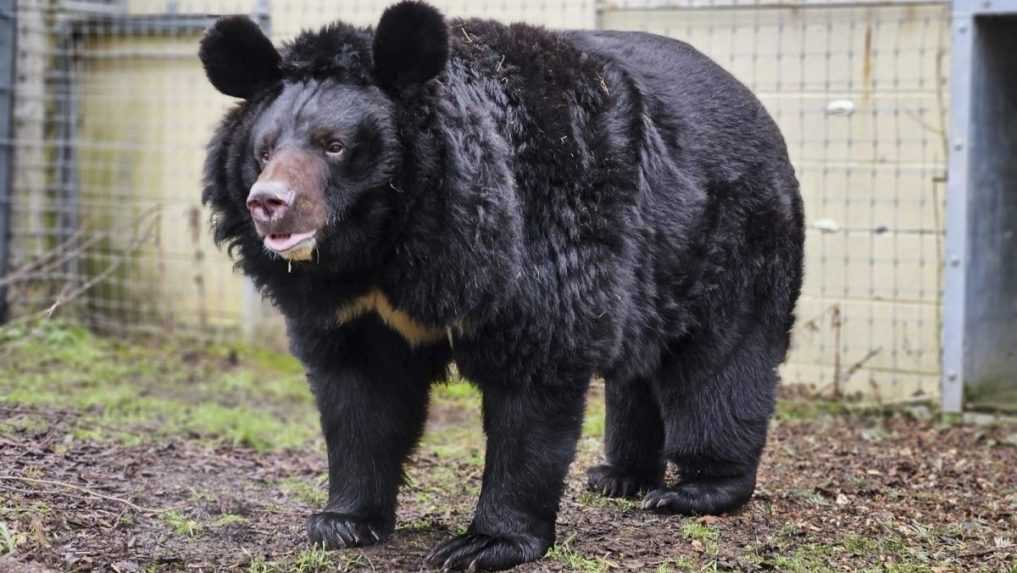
(8, 34)
(979, 339)
(954, 299)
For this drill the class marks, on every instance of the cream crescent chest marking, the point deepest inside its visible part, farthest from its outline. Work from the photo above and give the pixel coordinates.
(376, 301)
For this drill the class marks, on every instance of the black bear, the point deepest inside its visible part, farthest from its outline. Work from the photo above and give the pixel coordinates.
(539, 207)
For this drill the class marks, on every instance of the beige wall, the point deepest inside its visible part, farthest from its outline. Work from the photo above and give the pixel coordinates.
(146, 113)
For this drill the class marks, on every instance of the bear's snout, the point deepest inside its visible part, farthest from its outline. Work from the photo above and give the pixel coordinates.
(268, 201)
(287, 203)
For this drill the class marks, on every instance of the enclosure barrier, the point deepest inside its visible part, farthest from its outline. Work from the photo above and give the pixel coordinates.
(980, 333)
(111, 112)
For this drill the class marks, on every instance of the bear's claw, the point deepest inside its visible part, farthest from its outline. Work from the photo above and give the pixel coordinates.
(480, 552)
(338, 530)
(609, 481)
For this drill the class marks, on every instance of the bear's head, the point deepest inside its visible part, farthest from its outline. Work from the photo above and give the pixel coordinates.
(309, 165)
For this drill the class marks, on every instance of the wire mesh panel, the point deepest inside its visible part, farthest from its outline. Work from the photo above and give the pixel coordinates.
(112, 112)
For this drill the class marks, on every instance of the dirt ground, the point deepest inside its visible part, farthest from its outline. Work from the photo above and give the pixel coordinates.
(183, 458)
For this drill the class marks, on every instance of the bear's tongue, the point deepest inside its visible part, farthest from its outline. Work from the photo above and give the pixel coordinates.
(285, 241)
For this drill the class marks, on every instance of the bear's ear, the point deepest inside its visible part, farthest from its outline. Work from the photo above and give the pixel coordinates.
(410, 45)
(239, 60)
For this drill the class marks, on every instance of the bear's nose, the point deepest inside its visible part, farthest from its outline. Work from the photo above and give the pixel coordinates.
(268, 201)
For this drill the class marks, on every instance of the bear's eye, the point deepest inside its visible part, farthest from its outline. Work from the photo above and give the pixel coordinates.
(334, 147)
(264, 155)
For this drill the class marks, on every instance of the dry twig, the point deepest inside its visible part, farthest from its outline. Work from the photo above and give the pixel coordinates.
(81, 489)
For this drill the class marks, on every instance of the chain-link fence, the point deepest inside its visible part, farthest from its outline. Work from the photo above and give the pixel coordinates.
(111, 112)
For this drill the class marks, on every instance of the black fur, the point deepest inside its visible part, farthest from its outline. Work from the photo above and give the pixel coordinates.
(410, 45)
(239, 60)
(562, 204)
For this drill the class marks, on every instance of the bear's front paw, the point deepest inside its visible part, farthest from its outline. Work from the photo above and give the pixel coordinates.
(480, 552)
(339, 530)
(610, 481)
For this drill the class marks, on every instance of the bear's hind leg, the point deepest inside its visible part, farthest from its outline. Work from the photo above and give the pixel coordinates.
(633, 437)
(716, 410)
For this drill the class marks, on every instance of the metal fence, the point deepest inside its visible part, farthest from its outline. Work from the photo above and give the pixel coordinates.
(111, 112)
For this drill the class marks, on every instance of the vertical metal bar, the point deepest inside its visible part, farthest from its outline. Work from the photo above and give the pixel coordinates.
(70, 191)
(957, 232)
(8, 29)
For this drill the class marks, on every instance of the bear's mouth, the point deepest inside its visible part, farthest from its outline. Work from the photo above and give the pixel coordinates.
(291, 245)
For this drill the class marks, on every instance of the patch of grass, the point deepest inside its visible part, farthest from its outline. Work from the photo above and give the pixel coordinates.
(593, 422)
(132, 393)
(457, 393)
(858, 545)
(895, 556)
(701, 535)
(181, 524)
(246, 427)
(228, 519)
(458, 390)
(311, 494)
(264, 359)
(792, 410)
(810, 558)
(808, 497)
(463, 443)
(259, 565)
(682, 563)
(287, 387)
(312, 560)
(696, 531)
(563, 553)
(21, 423)
(8, 541)
(593, 499)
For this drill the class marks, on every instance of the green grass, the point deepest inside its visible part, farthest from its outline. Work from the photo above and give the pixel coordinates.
(593, 422)
(24, 424)
(228, 519)
(8, 541)
(593, 499)
(312, 560)
(457, 391)
(463, 442)
(563, 553)
(181, 524)
(792, 410)
(894, 553)
(701, 534)
(312, 494)
(695, 531)
(679, 564)
(132, 393)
